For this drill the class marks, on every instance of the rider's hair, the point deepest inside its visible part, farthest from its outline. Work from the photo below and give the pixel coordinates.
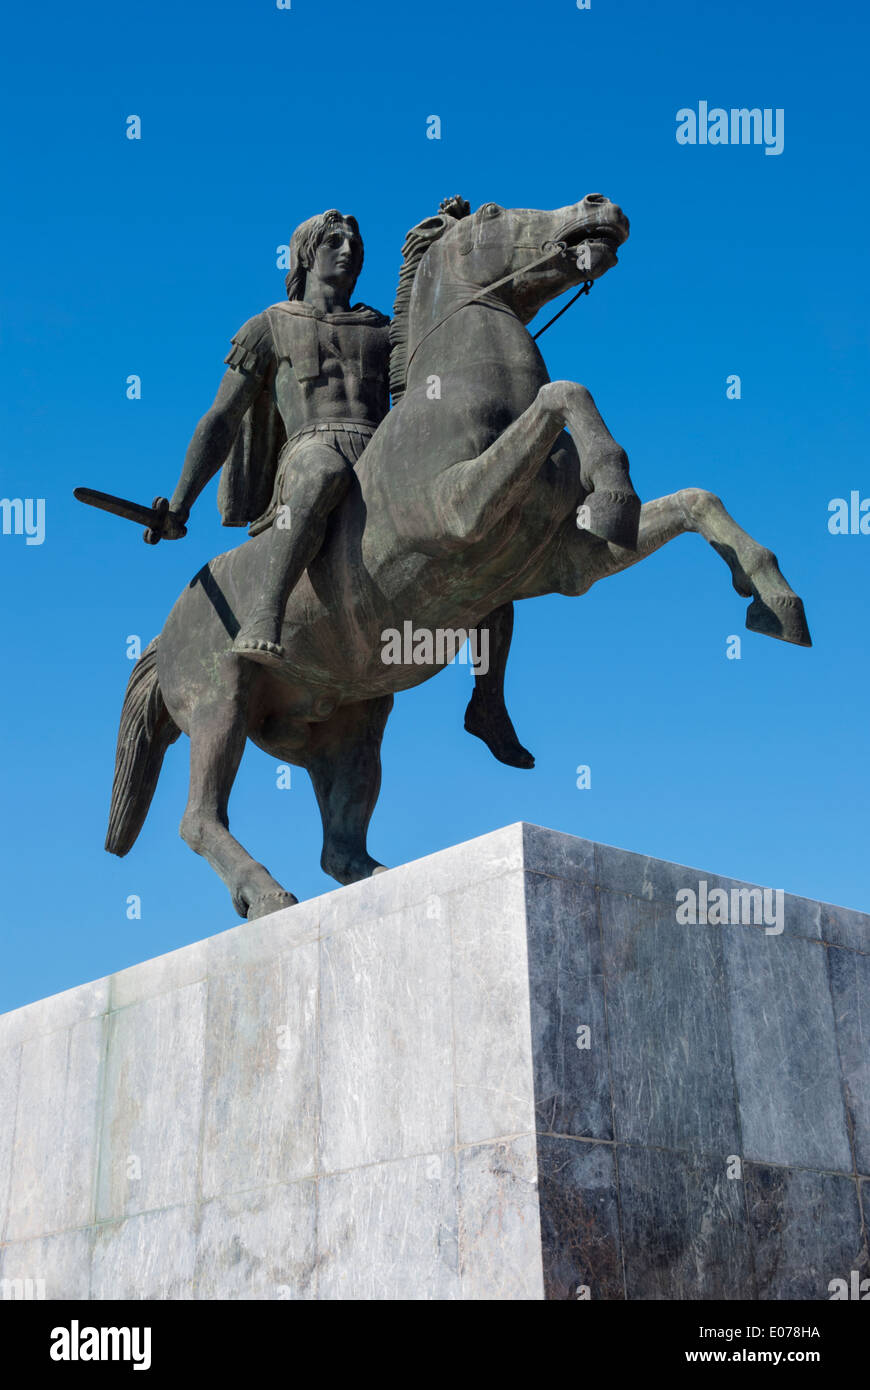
(305, 241)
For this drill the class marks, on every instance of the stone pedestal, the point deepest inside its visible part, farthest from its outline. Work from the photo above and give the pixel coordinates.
(507, 1071)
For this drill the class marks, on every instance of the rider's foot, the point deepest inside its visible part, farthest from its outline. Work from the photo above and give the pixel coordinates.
(493, 725)
(257, 639)
(612, 516)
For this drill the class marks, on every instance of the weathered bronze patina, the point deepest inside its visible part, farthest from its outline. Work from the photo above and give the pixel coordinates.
(486, 483)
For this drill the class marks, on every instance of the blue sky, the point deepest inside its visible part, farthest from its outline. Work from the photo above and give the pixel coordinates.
(145, 256)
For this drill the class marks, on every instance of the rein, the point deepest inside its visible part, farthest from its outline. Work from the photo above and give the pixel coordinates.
(584, 289)
(556, 248)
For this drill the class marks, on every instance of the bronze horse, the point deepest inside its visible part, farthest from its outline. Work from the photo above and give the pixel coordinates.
(465, 499)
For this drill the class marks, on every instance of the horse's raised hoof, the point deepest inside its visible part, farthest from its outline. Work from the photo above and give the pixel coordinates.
(611, 516)
(781, 617)
(269, 902)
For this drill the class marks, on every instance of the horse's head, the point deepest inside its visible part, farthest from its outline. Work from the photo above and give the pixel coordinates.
(453, 259)
(495, 242)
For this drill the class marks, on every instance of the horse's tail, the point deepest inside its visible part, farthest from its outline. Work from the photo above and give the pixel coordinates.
(146, 731)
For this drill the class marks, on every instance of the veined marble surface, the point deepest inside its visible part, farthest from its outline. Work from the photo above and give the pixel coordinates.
(505, 1071)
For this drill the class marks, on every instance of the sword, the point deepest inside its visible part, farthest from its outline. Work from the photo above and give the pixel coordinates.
(158, 520)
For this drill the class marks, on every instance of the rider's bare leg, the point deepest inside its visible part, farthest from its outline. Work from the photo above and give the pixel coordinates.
(317, 481)
(486, 716)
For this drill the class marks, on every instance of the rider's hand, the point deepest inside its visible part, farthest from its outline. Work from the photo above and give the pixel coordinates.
(174, 526)
(171, 527)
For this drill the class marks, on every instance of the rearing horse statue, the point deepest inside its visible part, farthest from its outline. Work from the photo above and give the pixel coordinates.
(497, 485)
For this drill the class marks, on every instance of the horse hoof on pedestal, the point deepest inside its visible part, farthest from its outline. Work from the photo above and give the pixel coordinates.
(611, 516)
(782, 617)
(270, 902)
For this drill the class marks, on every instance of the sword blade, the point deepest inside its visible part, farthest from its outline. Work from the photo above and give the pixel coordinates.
(118, 506)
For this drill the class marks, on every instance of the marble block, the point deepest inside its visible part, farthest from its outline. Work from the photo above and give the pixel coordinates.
(511, 1070)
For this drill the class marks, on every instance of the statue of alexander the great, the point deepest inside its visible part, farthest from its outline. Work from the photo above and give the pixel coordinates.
(504, 485)
(307, 385)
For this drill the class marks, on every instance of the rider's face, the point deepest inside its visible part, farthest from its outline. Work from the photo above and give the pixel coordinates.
(335, 261)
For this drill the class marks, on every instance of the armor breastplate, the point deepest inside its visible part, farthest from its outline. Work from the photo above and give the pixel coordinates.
(358, 336)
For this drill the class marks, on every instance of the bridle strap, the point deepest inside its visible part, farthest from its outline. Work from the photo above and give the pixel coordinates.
(584, 289)
(557, 248)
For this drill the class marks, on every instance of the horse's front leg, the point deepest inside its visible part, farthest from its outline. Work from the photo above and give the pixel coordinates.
(610, 508)
(775, 611)
(472, 496)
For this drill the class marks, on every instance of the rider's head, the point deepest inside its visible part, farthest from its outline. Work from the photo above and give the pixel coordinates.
(331, 246)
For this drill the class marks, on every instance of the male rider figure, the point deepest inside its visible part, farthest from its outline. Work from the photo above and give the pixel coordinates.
(312, 368)
(315, 369)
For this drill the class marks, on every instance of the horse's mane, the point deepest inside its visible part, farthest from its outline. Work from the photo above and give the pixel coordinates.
(417, 243)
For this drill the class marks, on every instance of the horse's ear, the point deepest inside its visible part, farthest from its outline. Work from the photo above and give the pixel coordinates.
(433, 226)
(423, 235)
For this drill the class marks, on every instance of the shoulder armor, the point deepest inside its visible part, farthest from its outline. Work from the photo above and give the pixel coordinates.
(252, 350)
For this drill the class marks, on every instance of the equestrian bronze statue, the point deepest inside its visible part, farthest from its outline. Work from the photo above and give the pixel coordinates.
(485, 483)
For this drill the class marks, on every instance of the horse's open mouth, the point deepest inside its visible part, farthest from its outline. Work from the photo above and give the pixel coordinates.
(611, 236)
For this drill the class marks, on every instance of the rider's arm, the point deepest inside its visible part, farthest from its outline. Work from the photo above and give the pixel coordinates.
(215, 434)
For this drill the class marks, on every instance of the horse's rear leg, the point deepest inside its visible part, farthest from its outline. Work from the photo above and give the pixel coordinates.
(218, 731)
(775, 611)
(345, 768)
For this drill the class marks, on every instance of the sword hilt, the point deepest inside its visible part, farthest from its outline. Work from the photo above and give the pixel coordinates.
(155, 533)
